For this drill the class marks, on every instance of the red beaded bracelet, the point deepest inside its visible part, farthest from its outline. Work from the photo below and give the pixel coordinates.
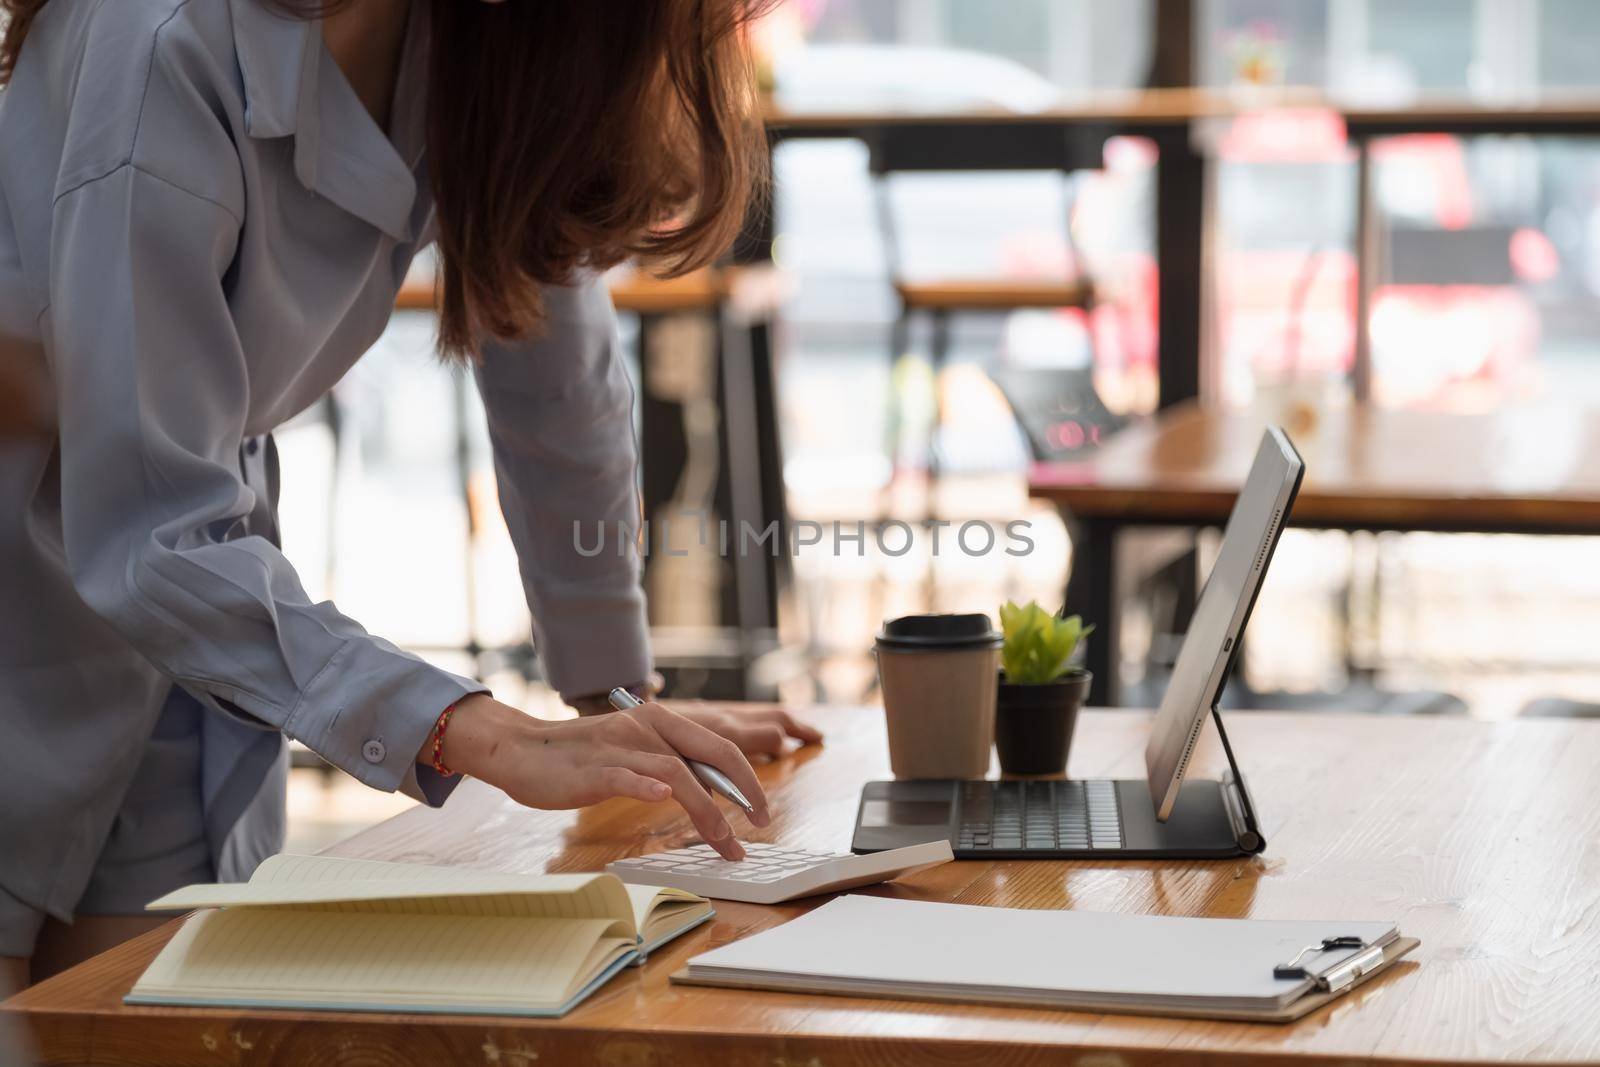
(439, 728)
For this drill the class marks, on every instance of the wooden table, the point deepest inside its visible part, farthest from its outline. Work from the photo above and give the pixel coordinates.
(1168, 117)
(1514, 471)
(1163, 115)
(1476, 837)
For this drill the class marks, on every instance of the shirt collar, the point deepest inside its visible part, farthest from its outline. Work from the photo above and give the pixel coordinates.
(293, 88)
(278, 62)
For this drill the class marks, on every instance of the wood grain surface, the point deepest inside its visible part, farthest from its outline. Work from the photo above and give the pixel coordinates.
(1480, 838)
(1516, 470)
(977, 294)
(631, 290)
(1135, 108)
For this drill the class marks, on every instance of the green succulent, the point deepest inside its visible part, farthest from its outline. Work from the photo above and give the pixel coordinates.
(1038, 645)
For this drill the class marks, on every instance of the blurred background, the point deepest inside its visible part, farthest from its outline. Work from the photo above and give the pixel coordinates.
(1000, 238)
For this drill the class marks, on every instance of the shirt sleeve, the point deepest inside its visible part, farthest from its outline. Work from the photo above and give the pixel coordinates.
(560, 413)
(152, 393)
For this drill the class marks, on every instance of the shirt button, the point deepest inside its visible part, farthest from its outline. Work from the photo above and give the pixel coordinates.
(373, 751)
(252, 446)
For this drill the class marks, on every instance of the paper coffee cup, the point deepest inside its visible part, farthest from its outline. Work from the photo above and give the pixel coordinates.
(938, 674)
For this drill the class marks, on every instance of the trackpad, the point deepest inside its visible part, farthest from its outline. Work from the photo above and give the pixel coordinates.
(876, 814)
(895, 814)
(1198, 825)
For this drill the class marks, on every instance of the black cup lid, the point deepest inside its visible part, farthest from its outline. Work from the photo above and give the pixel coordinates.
(929, 633)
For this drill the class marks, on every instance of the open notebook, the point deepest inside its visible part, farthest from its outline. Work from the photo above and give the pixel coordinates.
(1078, 960)
(314, 932)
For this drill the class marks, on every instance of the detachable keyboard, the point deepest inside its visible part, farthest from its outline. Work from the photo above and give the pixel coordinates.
(1047, 816)
(1075, 819)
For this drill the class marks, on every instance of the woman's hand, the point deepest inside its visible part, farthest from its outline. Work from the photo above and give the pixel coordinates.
(758, 731)
(635, 753)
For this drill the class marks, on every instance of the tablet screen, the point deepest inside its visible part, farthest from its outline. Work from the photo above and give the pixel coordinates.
(1220, 614)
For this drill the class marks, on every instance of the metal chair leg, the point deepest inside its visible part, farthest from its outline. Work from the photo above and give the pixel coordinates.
(899, 343)
(939, 352)
(463, 413)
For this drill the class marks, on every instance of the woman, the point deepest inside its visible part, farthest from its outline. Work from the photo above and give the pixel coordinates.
(209, 206)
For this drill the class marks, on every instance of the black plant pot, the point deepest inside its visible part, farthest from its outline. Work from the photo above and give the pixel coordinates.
(1033, 723)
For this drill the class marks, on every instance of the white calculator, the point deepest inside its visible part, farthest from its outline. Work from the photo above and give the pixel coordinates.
(771, 874)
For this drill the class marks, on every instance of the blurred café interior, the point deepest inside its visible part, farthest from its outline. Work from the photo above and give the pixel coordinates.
(1054, 263)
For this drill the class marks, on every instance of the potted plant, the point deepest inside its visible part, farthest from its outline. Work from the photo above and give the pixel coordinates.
(1041, 689)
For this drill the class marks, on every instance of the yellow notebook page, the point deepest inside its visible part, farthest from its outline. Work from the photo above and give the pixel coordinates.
(332, 885)
(315, 958)
(657, 909)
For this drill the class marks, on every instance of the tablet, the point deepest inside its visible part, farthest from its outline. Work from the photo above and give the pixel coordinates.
(1220, 615)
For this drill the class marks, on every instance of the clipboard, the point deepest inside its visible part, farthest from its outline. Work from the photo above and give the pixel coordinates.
(1299, 1008)
(1271, 971)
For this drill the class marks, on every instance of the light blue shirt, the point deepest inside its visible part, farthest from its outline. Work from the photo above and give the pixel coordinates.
(203, 229)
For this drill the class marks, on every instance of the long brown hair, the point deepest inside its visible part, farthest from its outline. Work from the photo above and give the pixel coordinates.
(568, 134)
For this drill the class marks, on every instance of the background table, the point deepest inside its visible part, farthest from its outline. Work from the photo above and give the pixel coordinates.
(1163, 115)
(1169, 117)
(1514, 471)
(1476, 837)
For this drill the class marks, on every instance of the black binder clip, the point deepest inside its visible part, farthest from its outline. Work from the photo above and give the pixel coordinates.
(1340, 974)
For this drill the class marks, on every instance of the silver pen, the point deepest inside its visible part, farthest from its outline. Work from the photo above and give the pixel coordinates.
(714, 779)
